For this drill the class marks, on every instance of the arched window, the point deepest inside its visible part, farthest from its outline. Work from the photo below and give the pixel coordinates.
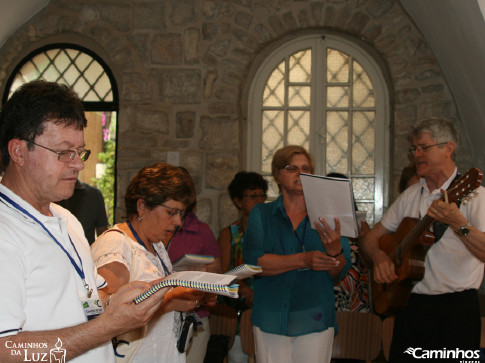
(328, 95)
(87, 74)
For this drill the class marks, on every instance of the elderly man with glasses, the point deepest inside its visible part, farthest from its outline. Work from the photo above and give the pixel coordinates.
(48, 281)
(442, 313)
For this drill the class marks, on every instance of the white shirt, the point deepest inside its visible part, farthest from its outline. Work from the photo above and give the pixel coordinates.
(449, 265)
(40, 289)
(160, 341)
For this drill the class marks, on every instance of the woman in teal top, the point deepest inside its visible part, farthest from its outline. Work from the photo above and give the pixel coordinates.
(294, 304)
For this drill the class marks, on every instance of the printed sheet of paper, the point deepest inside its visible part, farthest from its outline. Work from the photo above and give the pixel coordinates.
(328, 198)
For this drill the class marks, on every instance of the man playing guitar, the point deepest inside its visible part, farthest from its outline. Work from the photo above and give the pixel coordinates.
(442, 312)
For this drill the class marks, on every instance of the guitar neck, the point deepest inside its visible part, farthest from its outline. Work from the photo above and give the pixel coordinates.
(465, 184)
(408, 241)
(407, 248)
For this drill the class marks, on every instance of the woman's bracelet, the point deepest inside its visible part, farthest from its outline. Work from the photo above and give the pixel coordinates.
(338, 254)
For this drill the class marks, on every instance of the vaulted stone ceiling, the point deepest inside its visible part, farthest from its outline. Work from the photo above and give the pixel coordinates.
(455, 29)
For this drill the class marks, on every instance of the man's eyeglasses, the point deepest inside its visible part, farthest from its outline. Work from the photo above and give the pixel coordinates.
(66, 156)
(255, 196)
(293, 169)
(424, 148)
(172, 212)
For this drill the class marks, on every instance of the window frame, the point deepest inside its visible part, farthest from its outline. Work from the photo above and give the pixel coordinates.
(319, 43)
(89, 106)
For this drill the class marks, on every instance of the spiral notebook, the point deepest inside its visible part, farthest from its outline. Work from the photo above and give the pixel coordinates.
(244, 271)
(220, 284)
(188, 262)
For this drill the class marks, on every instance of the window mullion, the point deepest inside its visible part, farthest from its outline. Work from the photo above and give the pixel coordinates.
(319, 103)
(286, 105)
(351, 117)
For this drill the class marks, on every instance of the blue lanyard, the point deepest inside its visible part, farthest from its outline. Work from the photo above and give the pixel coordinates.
(166, 270)
(302, 239)
(171, 238)
(79, 269)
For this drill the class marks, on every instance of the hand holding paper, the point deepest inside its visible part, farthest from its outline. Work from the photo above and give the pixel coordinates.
(328, 197)
(203, 281)
(330, 238)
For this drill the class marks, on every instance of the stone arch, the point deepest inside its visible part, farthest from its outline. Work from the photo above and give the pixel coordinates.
(417, 85)
(157, 50)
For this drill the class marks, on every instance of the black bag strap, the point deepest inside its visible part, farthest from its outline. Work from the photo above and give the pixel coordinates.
(439, 228)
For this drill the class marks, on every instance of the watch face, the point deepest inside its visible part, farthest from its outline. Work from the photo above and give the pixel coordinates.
(463, 231)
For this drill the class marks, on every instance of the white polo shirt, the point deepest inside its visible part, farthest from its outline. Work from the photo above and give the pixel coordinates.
(40, 288)
(449, 265)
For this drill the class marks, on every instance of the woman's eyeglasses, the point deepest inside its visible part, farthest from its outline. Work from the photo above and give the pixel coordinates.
(293, 169)
(172, 212)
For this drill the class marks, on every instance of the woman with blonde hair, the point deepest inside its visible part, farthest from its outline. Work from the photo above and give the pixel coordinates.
(293, 315)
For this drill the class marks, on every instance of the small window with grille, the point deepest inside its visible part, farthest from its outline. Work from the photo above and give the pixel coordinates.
(87, 74)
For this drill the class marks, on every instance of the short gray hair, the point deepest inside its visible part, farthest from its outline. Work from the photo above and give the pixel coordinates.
(442, 130)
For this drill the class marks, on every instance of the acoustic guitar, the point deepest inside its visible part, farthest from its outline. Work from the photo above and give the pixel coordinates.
(407, 249)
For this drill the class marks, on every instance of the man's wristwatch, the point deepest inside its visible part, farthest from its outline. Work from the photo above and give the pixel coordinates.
(463, 231)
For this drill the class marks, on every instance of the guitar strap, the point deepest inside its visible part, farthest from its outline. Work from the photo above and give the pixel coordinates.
(439, 228)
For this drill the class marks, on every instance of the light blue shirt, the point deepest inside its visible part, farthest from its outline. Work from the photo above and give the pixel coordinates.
(296, 302)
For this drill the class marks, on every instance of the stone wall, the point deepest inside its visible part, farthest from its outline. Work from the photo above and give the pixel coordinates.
(182, 69)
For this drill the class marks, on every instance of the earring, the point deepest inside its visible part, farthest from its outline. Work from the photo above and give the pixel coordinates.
(140, 218)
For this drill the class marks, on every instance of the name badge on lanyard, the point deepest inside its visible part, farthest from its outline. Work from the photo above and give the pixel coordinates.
(92, 306)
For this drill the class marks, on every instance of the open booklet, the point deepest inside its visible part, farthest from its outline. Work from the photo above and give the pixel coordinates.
(220, 284)
(244, 271)
(328, 198)
(188, 262)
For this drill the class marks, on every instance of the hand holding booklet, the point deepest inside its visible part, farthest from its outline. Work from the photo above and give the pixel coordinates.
(331, 198)
(198, 280)
(220, 284)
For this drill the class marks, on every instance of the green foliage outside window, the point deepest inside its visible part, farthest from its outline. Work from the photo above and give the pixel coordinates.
(107, 182)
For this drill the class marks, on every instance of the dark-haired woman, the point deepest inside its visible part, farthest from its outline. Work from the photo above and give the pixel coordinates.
(155, 202)
(246, 190)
